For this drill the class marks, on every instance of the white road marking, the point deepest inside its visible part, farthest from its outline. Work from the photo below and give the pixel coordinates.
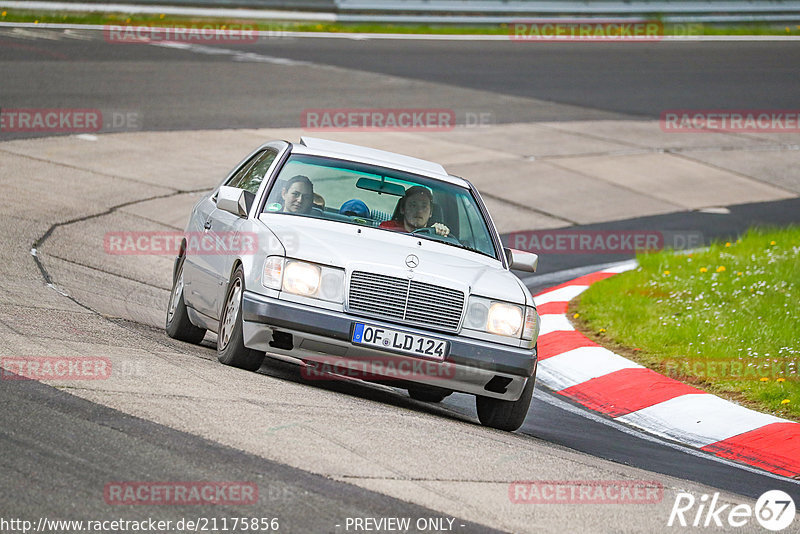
(236, 55)
(579, 365)
(554, 322)
(553, 400)
(563, 294)
(698, 419)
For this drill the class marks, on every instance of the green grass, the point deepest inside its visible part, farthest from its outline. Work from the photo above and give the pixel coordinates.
(44, 16)
(726, 318)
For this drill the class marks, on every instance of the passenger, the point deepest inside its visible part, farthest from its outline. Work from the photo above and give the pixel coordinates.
(298, 195)
(354, 207)
(413, 211)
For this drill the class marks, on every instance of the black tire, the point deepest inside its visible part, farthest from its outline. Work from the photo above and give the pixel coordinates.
(178, 325)
(427, 394)
(230, 341)
(503, 414)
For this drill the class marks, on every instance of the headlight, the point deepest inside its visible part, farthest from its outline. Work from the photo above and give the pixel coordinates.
(501, 318)
(504, 319)
(301, 278)
(304, 279)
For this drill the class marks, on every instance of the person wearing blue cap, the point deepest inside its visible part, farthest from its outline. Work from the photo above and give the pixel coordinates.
(354, 207)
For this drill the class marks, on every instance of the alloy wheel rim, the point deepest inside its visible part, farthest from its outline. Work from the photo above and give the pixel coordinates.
(231, 313)
(177, 291)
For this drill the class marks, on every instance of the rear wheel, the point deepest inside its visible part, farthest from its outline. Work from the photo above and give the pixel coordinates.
(178, 325)
(503, 414)
(230, 340)
(424, 394)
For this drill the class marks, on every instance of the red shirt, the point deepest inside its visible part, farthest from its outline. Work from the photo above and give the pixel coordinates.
(393, 225)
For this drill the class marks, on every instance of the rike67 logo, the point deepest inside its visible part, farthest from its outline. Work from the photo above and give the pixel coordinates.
(774, 510)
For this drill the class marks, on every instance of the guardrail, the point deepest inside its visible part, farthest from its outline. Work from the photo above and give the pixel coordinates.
(567, 7)
(498, 11)
(477, 11)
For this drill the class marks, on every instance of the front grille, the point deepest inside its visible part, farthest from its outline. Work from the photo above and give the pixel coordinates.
(406, 301)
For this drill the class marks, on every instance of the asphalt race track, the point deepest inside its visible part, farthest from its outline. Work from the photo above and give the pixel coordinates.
(324, 452)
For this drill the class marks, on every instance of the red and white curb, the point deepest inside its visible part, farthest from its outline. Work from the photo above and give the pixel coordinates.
(576, 367)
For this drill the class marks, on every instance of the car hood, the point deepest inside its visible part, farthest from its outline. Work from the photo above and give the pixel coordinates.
(375, 250)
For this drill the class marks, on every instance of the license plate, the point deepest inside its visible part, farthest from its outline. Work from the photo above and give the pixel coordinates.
(396, 341)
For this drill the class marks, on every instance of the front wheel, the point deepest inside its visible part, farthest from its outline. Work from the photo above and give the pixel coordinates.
(503, 414)
(178, 325)
(230, 340)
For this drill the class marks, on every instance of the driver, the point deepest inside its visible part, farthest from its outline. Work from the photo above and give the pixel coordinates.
(413, 211)
(298, 195)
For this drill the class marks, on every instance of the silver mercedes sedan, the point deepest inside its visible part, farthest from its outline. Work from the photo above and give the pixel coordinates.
(359, 263)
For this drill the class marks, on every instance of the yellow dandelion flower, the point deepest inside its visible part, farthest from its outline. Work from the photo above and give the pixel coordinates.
(772, 243)
(36, 22)
(161, 16)
(739, 273)
(721, 268)
(728, 244)
(785, 401)
(764, 379)
(666, 272)
(4, 13)
(576, 315)
(703, 269)
(602, 330)
(780, 380)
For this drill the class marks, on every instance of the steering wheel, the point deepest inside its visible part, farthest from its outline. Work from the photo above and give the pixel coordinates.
(428, 230)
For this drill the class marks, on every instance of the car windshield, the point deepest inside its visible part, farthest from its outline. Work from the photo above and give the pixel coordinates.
(368, 195)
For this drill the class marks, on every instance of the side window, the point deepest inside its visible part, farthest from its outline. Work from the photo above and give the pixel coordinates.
(253, 172)
(237, 178)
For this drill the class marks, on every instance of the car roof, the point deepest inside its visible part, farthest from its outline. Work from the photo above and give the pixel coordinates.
(335, 149)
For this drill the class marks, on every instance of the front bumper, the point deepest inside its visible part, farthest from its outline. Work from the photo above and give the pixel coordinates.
(324, 336)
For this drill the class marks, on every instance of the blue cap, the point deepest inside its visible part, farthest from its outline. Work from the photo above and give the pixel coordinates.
(354, 207)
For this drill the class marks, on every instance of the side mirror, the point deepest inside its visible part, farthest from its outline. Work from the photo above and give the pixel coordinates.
(232, 200)
(522, 261)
